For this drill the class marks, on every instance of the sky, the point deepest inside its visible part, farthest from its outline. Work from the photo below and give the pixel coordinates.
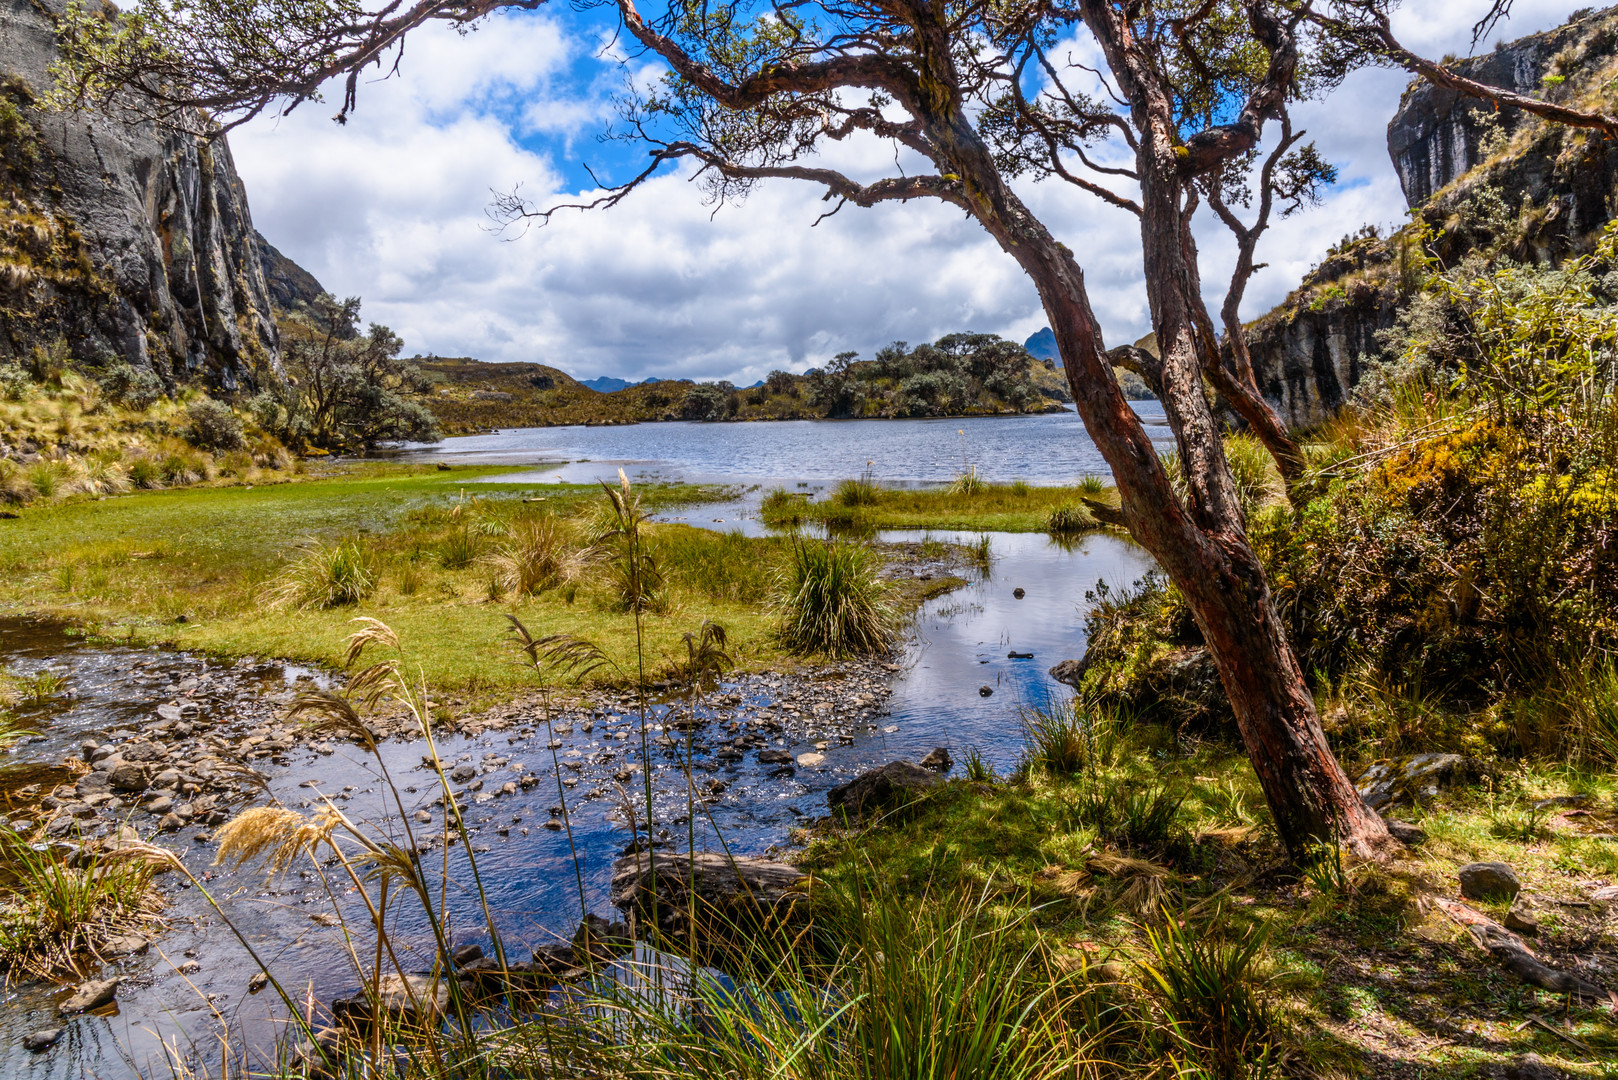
(393, 207)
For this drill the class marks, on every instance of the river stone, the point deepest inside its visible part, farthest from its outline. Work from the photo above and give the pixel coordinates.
(402, 997)
(171, 823)
(144, 751)
(602, 941)
(1414, 777)
(809, 761)
(736, 899)
(160, 805)
(39, 1041)
(1488, 880)
(462, 773)
(171, 713)
(774, 757)
(938, 760)
(128, 777)
(124, 945)
(877, 788)
(90, 995)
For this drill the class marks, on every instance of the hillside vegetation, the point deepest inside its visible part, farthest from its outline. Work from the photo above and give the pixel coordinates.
(958, 375)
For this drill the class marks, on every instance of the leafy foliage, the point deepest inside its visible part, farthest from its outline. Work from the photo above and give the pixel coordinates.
(346, 390)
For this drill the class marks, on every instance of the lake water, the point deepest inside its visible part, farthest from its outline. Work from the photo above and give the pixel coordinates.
(959, 644)
(1047, 449)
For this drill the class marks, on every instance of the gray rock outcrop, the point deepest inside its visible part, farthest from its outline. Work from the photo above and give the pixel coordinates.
(128, 241)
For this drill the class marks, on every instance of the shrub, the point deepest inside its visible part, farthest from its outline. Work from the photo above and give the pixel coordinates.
(145, 472)
(326, 575)
(132, 387)
(831, 600)
(14, 383)
(214, 425)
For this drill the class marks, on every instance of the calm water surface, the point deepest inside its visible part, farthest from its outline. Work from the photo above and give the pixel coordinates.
(960, 644)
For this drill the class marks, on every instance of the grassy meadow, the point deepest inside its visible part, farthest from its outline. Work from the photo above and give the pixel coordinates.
(200, 568)
(862, 505)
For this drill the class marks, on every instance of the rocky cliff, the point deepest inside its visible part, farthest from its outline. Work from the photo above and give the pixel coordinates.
(1482, 177)
(289, 283)
(127, 241)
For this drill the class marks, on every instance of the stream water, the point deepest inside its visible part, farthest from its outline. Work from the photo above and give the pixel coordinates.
(960, 644)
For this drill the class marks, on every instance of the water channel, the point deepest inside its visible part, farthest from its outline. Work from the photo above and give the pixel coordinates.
(960, 643)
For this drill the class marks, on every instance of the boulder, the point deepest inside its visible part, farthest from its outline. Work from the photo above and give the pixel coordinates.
(90, 995)
(1070, 672)
(1404, 832)
(893, 783)
(1489, 881)
(1414, 778)
(736, 900)
(938, 760)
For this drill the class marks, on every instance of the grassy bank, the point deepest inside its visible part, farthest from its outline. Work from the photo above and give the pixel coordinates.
(1110, 828)
(863, 505)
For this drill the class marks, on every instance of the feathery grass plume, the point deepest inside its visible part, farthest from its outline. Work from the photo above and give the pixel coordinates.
(273, 832)
(1070, 517)
(1213, 998)
(326, 575)
(623, 533)
(535, 557)
(830, 600)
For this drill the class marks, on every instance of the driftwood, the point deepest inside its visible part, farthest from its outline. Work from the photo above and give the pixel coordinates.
(1513, 954)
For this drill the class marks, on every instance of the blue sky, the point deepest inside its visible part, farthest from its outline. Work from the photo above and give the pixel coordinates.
(392, 207)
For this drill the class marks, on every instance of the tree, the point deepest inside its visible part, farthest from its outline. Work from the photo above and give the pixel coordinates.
(978, 92)
(344, 389)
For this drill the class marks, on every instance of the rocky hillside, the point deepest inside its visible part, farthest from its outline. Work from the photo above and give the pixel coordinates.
(1483, 177)
(128, 242)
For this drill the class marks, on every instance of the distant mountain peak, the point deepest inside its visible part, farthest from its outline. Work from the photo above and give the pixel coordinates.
(1042, 346)
(606, 384)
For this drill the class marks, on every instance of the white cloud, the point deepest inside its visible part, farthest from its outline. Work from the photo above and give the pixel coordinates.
(391, 207)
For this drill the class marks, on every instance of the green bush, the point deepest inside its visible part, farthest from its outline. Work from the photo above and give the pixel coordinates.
(15, 383)
(214, 425)
(135, 388)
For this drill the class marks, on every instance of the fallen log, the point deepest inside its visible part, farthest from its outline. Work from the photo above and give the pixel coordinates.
(1513, 954)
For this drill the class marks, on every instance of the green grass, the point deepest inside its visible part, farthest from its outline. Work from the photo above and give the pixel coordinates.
(132, 567)
(832, 601)
(1016, 507)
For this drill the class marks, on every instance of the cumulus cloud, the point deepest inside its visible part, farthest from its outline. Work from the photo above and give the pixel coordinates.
(392, 207)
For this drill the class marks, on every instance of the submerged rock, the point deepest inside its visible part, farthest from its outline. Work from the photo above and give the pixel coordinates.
(734, 898)
(39, 1041)
(938, 760)
(401, 997)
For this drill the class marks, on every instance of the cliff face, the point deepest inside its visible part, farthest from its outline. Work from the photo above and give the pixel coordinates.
(289, 283)
(127, 241)
(1504, 180)
(1564, 176)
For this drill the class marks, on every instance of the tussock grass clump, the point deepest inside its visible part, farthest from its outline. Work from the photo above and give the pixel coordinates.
(967, 482)
(860, 492)
(326, 575)
(1212, 996)
(782, 507)
(1064, 737)
(54, 910)
(1070, 518)
(537, 555)
(832, 601)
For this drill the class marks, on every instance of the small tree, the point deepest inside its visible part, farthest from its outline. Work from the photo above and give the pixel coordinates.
(976, 90)
(344, 389)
